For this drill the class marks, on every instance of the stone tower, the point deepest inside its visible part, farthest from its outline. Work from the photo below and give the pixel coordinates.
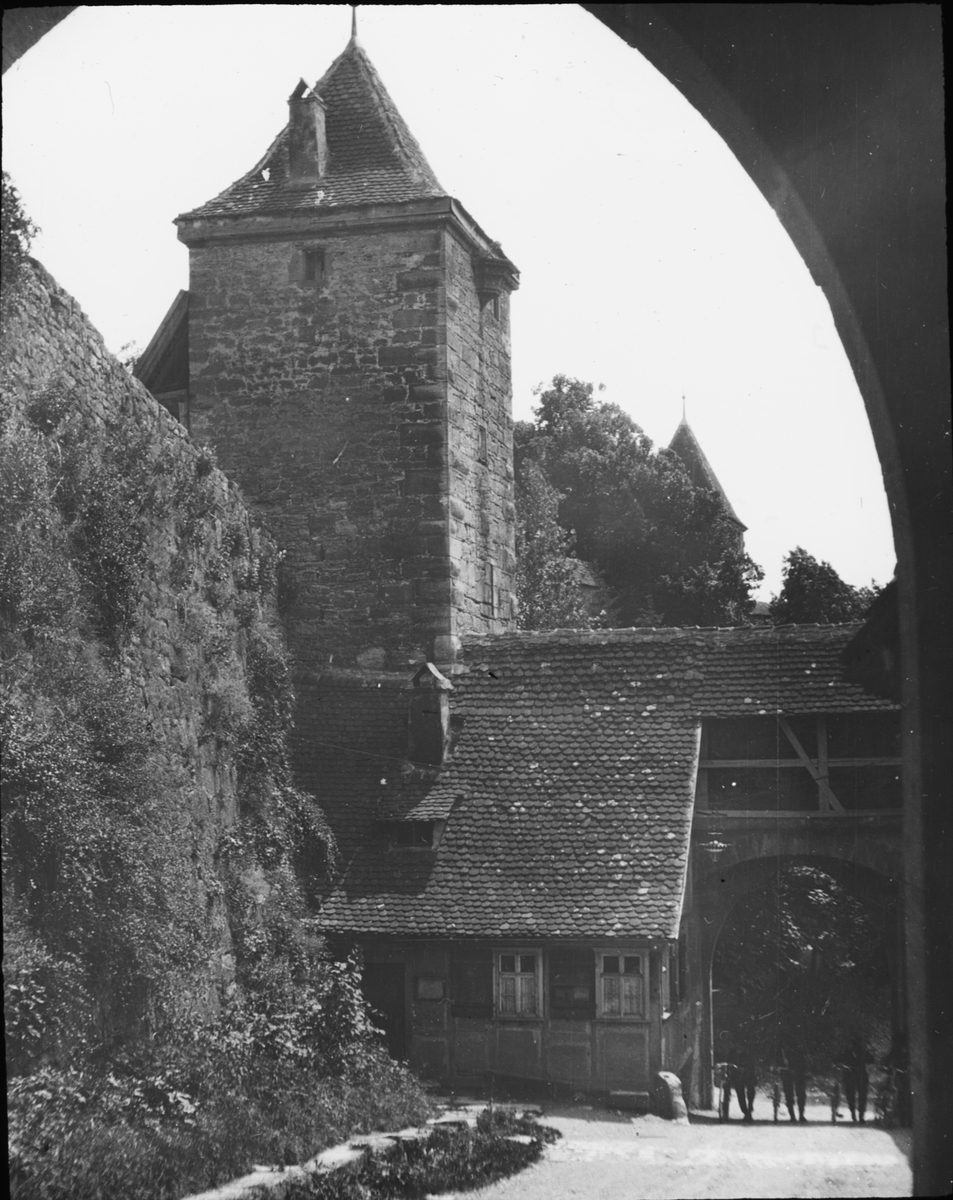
(348, 350)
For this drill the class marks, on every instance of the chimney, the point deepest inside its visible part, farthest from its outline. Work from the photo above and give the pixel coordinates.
(307, 137)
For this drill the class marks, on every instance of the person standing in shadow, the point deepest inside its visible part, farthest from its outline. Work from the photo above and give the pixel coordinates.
(898, 1066)
(794, 1074)
(746, 1081)
(854, 1060)
(723, 1084)
(730, 1077)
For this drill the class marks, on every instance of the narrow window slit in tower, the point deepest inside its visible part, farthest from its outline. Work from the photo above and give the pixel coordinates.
(313, 266)
(489, 590)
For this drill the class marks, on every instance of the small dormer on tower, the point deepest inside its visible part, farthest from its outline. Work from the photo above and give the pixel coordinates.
(428, 717)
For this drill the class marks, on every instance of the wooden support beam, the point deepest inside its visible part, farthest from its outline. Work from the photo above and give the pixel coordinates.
(792, 814)
(764, 764)
(822, 764)
(826, 796)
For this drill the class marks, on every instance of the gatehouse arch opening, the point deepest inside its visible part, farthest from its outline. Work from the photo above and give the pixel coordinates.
(806, 950)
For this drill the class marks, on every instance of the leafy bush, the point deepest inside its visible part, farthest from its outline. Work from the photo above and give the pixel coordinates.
(460, 1159)
(39, 589)
(46, 1003)
(158, 1126)
(91, 850)
(503, 1122)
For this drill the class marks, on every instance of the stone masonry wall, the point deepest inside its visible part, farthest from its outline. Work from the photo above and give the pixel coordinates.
(188, 597)
(482, 512)
(332, 402)
(325, 400)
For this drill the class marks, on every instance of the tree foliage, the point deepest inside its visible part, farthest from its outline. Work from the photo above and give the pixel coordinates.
(17, 231)
(548, 588)
(813, 593)
(667, 549)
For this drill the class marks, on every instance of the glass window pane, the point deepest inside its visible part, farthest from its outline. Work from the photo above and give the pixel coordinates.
(631, 965)
(610, 964)
(507, 962)
(611, 999)
(631, 995)
(528, 962)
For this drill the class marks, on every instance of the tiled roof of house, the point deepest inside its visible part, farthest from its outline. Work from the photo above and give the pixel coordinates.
(373, 158)
(570, 789)
(687, 447)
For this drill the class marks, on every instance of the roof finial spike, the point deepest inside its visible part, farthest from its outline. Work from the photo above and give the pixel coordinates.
(353, 22)
(683, 406)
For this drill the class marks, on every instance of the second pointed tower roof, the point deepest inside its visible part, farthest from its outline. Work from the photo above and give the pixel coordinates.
(699, 469)
(373, 158)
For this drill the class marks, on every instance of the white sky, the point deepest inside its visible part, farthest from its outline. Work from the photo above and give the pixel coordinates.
(650, 263)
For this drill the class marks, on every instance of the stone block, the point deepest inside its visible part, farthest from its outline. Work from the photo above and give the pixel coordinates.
(423, 433)
(415, 318)
(420, 280)
(667, 1099)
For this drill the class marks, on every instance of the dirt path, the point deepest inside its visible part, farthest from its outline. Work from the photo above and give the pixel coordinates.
(607, 1156)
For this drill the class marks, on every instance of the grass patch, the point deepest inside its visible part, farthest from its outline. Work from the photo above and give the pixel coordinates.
(449, 1159)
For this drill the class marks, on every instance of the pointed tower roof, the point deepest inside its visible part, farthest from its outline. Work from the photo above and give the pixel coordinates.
(373, 158)
(686, 446)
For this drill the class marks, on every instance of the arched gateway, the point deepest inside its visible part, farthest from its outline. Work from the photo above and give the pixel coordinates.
(818, 790)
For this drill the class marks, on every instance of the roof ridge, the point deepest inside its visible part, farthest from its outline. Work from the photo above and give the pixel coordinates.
(333, 67)
(652, 633)
(404, 141)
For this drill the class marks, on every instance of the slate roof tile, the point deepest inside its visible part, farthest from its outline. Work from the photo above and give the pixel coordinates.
(373, 158)
(543, 805)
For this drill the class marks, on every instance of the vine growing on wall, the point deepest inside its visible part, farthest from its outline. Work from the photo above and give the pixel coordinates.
(96, 824)
(17, 231)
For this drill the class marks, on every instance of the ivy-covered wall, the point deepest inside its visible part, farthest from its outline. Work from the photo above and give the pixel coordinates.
(152, 835)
